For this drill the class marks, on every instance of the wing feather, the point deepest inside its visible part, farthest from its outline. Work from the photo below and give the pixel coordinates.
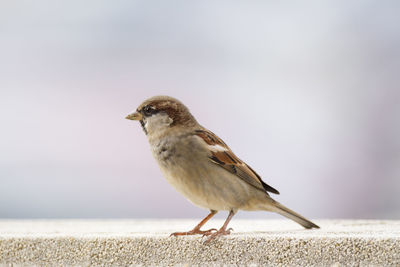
(227, 160)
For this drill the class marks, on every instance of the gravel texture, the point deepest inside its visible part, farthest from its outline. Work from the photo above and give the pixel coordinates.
(147, 242)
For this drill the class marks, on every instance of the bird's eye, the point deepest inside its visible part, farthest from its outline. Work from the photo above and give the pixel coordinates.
(148, 111)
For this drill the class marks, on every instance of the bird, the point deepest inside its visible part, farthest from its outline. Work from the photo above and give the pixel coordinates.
(199, 165)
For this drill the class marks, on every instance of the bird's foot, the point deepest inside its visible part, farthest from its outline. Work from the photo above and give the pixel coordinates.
(195, 232)
(220, 232)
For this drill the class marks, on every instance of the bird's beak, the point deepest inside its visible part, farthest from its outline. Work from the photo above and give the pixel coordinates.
(135, 116)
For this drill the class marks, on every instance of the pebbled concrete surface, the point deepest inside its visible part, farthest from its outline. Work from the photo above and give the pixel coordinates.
(147, 242)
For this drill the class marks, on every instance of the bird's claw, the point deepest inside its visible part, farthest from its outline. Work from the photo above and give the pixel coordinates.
(209, 232)
(221, 232)
(195, 232)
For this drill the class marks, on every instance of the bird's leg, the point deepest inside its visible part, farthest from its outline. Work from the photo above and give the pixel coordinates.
(196, 230)
(222, 230)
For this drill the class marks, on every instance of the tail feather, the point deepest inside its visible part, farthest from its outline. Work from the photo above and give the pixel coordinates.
(288, 213)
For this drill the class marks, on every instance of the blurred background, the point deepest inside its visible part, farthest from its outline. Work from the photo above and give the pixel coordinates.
(307, 93)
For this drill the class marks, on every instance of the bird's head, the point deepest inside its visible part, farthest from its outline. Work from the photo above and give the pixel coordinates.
(161, 113)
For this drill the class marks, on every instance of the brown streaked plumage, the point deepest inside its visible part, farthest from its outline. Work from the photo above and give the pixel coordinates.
(227, 160)
(202, 167)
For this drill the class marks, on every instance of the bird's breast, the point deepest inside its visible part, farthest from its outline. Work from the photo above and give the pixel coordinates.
(185, 164)
(177, 151)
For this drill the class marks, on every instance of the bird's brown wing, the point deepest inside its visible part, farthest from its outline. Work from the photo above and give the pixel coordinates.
(226, 159)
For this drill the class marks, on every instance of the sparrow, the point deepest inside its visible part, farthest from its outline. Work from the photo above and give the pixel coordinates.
(199, 165)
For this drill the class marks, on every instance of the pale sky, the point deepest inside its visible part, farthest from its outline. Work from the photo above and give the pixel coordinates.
(306, 93)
